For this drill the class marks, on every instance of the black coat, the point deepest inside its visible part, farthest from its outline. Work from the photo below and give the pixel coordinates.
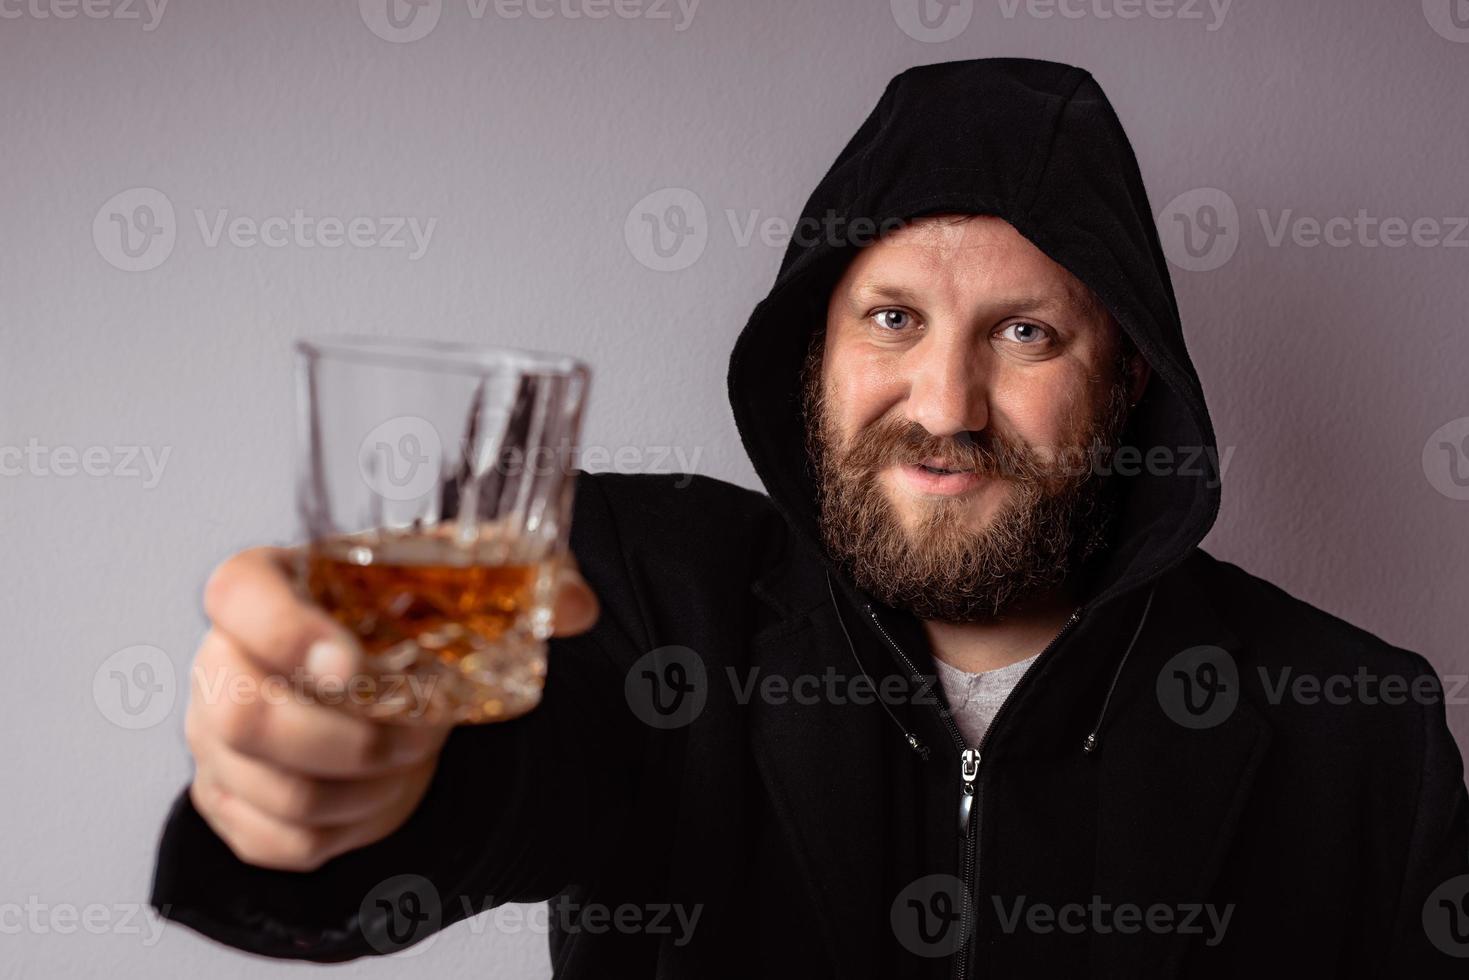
(1162, 794)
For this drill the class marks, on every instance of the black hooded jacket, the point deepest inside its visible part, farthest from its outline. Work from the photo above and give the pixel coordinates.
(1158, 797)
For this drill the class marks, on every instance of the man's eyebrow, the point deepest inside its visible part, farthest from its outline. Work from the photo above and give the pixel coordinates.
(872, 291)
(893, 293)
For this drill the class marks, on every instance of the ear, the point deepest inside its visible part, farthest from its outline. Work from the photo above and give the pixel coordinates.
(1129, 360)
(1139, 371)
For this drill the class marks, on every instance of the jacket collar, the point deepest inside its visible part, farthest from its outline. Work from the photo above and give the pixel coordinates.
(1168, 797)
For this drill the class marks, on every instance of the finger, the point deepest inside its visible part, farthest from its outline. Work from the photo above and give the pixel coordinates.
(305, 800)
(252, 597)
(260, 839)
(264, 716)
(576, 608)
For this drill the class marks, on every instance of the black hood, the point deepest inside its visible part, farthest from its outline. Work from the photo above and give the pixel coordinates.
(1037, 144)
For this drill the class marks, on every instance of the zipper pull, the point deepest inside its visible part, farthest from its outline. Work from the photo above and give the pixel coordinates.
(916, 745)
(968, 771)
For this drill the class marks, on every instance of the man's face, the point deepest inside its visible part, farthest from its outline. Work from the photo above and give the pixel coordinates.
(962, 380)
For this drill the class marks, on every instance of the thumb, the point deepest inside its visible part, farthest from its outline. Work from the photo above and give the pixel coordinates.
(576, 607)
(257, 599)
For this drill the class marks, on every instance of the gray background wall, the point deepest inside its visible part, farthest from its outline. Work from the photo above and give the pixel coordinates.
(532, 143)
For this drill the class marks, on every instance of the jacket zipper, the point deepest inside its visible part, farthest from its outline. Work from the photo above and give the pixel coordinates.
(970, 786)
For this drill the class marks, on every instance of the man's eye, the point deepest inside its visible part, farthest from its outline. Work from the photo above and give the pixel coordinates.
(1027, 333)
(892, 319)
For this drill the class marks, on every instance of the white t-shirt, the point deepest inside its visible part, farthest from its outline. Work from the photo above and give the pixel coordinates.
(975, 698)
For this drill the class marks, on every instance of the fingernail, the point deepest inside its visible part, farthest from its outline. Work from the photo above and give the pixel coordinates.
(331, 662)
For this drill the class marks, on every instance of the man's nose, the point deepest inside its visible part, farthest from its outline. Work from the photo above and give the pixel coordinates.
(948, 390)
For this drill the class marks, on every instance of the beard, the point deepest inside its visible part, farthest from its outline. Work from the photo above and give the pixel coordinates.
(1056, 517)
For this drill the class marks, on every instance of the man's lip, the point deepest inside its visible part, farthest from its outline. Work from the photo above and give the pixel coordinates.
(922, 481)
(941, 464)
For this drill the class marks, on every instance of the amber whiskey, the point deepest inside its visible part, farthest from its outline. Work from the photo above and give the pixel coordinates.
(453, 632)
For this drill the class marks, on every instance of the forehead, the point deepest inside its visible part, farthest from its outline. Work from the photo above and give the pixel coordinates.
(965, 257)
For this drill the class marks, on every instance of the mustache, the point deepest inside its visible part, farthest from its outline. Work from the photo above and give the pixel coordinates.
(993, 452)
(988, 452)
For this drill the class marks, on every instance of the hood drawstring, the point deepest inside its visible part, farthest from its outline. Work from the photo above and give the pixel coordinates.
(1094, 739)
(913, 741)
